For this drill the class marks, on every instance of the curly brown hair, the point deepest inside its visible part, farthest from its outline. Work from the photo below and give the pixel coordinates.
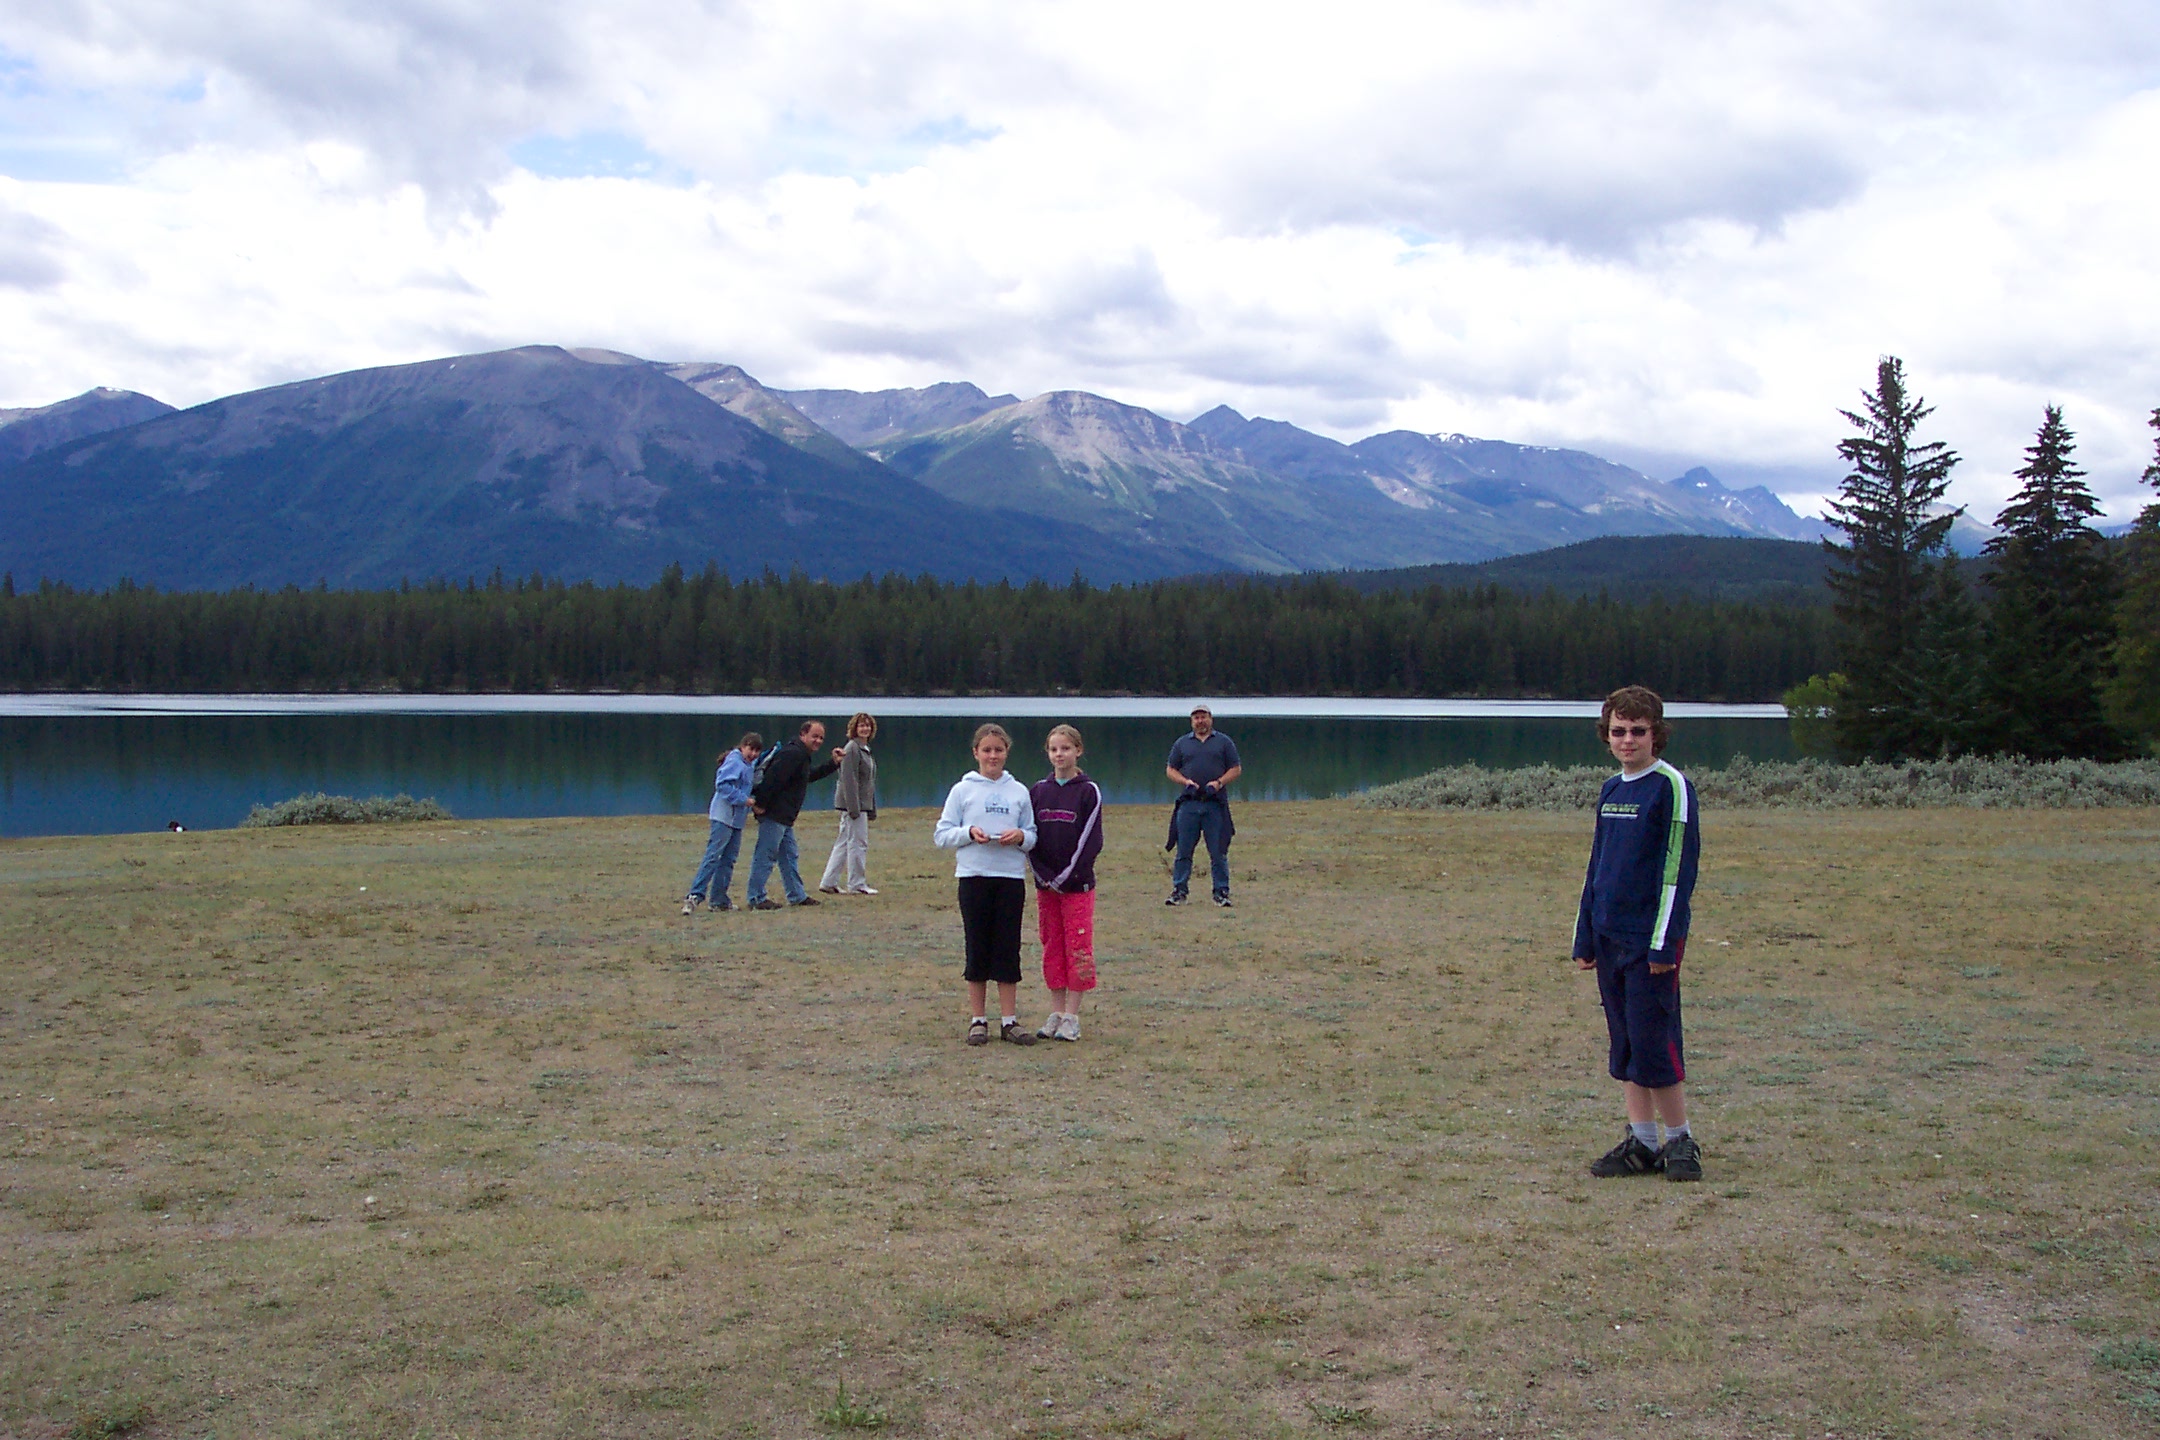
(1636, 702)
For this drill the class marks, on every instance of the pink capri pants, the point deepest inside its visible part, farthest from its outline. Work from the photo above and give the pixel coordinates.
(1068, 938)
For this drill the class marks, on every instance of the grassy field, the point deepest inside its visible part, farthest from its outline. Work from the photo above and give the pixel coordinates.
(459, 1130)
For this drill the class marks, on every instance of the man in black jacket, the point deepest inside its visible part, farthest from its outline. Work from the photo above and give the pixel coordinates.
(776, 800)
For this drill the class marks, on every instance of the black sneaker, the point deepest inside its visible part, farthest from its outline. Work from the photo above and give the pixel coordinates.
(806, 900)
(1013, 1032)
(723, 903)
(766, 905)
(1629, 1157)
(1177, 896)
(1681, 1159)
(1222, 898)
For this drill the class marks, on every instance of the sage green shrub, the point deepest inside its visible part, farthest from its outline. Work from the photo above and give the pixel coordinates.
(1800, 785)
(320, 809)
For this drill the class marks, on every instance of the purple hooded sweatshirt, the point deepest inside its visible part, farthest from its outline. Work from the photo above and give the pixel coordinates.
(1068, 833)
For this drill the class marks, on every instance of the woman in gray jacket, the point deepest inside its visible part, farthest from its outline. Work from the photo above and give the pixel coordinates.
(855, 797)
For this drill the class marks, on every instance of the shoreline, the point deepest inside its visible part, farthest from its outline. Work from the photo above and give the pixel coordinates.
(76, 704)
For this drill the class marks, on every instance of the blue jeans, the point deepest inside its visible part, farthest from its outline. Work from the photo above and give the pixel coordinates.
(1194, 819)
(717, 869)
(776, 843)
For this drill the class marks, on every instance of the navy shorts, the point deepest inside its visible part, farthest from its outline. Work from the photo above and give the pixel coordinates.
(1642, 1012)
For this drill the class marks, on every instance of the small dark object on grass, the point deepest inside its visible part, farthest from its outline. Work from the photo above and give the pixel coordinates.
(320, 809)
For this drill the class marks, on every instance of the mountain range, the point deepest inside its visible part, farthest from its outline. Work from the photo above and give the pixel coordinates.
(591, 464)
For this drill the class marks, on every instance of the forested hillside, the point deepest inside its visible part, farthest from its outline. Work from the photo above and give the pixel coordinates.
(709, 634)
(1707, 567)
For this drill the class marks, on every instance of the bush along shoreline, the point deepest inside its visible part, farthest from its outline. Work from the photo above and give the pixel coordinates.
(1998, 784)
(320, 809)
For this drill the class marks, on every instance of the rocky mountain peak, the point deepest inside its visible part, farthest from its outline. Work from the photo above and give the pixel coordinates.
(33, 430)
(878, 417)
(735, 389)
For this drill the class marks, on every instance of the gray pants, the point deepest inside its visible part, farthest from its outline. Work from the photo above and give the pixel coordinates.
(850, 854)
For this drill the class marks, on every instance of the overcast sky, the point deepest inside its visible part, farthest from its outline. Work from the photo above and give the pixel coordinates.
(1672, 233)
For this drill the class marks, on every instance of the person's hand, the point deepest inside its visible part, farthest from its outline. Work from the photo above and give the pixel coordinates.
(1213, 787)
(1013, 837)
(756, 809)
(1584, 962)
(1657, 969)
(979, 835)
(873, 814)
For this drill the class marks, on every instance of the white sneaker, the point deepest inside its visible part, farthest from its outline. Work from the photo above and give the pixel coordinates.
(1049, 1029)
(690, 904)
(1068, 1028)
(861, 890)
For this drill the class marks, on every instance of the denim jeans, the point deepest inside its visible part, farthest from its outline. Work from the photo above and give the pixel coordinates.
(776, 844)
(717, 870)
(1194, 819)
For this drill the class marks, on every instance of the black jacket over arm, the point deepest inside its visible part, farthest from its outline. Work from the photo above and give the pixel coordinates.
(787, 782)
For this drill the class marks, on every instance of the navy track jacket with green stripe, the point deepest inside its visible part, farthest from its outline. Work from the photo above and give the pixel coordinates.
(1642, 863)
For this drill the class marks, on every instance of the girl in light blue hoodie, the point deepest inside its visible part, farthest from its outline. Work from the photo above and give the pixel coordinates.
(990, 821)
(729, 809)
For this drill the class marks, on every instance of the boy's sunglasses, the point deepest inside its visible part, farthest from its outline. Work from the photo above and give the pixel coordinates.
(1627, 729)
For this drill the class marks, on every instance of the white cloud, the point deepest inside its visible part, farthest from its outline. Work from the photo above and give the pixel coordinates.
(1667, 230)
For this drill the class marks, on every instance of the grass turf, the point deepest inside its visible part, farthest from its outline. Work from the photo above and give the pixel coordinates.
(458, 1129)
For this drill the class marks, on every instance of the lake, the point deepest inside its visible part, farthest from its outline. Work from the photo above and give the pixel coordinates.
(105, 764)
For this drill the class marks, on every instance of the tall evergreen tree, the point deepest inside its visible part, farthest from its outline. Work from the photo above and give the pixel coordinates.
(2133, 693)
(2053, 623)
(1941, 707)
(1880, 578)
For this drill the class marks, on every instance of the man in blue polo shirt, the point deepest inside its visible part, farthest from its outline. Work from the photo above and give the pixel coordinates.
(1202, 765)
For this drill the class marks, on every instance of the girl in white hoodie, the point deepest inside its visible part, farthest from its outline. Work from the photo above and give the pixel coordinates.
(989, 819)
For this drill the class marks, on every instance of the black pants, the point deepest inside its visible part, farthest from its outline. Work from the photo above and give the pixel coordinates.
(991, 907)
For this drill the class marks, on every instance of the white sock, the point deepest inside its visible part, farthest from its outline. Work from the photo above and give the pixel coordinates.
(1645, 1131)
(1673, 1132)
(981, 1020)
(1011, 1019)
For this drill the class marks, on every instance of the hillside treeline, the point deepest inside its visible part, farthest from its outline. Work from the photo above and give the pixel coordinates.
(709, 634)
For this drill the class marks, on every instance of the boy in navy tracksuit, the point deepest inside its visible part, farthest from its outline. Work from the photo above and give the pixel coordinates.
(1632, 929)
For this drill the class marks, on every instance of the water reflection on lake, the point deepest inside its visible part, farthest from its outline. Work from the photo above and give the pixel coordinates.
(101, 773)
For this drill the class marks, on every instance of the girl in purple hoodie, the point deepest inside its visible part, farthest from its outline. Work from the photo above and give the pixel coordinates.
(1068, 837)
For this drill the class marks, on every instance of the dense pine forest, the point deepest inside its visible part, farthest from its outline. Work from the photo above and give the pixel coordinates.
(709, 634)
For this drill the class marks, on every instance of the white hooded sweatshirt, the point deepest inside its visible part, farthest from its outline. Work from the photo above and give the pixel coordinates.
(993, 806)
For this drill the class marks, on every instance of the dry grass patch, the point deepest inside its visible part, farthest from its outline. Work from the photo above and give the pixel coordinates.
(503, 1146)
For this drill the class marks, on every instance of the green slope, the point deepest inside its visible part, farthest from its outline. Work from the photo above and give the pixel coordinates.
(1788, 572)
